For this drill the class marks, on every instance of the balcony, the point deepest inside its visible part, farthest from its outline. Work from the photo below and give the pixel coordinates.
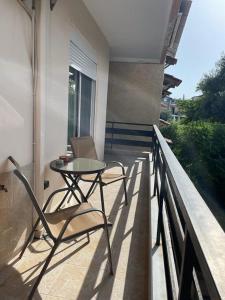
(166, 244)
(78, 270)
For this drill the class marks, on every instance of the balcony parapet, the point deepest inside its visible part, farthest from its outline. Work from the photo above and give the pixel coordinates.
(195, 266)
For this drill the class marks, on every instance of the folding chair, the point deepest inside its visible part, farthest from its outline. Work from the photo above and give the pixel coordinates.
(65, 224)
(85, 147)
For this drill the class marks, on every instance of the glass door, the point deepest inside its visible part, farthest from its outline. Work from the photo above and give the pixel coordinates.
(73, 104)
(86, 105)
(80, 104)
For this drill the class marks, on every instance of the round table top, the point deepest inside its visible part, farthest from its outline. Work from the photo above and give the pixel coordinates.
(79, 166)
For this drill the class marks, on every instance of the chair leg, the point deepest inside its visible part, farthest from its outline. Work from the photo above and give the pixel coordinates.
(29, 238)
(88, 237)
(109, 249)
(101, 194)
(125, 191)
(43, 271)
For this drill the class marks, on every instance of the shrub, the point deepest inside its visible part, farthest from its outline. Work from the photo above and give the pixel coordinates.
(200, 148)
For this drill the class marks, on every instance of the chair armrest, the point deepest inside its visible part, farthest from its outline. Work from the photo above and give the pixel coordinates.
(118, 164)
(86, 211)
(51, 195)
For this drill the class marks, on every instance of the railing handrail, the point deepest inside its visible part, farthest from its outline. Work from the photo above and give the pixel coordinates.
(128, 123)
(207, 237)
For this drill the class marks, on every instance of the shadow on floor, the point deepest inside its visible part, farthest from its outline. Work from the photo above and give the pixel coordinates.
(12, 285)
(134, 275)
(129, 243)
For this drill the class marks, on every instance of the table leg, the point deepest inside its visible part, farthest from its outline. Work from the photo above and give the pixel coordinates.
(75, 183)
(92, 186)
(71, 186)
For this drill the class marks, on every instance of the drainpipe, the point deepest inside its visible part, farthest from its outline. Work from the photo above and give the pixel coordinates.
(39, 19)
(32, 14)
(40, 96)
(34, 82)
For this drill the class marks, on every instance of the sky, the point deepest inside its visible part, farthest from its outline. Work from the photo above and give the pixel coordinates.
(201, 45)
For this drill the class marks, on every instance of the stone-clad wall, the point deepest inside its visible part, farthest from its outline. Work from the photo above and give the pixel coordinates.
(134, 92)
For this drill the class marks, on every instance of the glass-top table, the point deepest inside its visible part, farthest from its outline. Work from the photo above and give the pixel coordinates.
(71, 173)
(79, 166)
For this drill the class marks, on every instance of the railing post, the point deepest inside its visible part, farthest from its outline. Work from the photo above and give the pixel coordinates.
(112, 135)
(153, 152)
(155, 168)
(185, 281)
(161, 198)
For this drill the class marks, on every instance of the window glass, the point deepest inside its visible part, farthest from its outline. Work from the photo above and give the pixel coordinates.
(73, 105)
(80, 104)
(85, 112)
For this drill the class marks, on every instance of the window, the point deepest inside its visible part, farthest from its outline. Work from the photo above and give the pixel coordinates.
(80, 104)
(82, 78)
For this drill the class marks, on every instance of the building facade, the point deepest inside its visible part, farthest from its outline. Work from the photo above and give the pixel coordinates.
(66, 67)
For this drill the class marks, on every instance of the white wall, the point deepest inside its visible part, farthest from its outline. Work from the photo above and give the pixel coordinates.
(68, 18)
(71, 20)
(16, 126)
(55, 29)
(16, 107)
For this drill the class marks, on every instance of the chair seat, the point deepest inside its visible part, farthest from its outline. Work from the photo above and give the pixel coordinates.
(56, 220)
(106, 177)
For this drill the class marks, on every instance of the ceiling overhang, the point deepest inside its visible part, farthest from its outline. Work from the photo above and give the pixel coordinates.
(136, 31)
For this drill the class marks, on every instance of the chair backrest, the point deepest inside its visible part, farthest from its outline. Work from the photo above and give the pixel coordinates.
(83, 147)
(13, 161)
(22, 177)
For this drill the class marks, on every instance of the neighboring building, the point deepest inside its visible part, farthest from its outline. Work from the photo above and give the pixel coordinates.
(81, 63)
(168, 83)
(169, 109)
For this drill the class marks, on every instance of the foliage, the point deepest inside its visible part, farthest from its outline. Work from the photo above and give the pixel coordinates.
(200, 147)
(165, 115)
(190, 109)
(211, 105)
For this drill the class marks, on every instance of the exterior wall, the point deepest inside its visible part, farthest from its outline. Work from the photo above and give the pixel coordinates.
(16, 115)
(71, 18)
(16, 213)
(134, 92)
(55, 29)
(16, 125)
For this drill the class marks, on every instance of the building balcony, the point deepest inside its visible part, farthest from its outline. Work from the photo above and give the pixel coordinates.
(79, 269)
(166, 244)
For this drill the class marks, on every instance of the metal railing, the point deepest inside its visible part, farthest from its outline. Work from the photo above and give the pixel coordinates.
(193, 242)
(128, 134)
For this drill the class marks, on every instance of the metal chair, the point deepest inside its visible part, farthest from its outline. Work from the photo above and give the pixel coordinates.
(85, 147)
(65, 224)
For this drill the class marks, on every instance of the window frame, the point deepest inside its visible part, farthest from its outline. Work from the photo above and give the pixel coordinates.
(79, 103)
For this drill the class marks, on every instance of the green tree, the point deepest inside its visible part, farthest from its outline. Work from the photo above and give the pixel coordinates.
(166, 115)
(211, 105)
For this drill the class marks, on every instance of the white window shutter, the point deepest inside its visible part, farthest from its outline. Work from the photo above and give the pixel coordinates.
(81, 62)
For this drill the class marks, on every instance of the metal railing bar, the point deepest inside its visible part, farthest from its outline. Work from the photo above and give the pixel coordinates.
(176, 237)
(125, 142)
(133, 132)
(204, 232)
(171, 275)
(174, 212)
(128, 123)
(176, 202)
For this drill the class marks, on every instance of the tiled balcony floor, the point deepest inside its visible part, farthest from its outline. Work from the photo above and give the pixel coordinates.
(79, 269)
